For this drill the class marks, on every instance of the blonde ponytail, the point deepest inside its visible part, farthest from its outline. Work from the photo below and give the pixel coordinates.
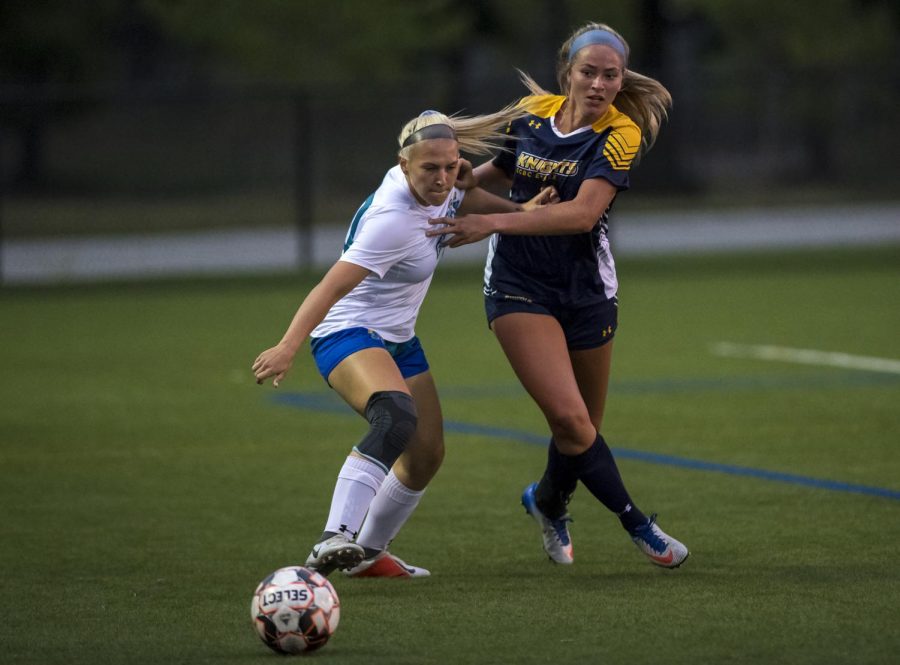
(476, 135)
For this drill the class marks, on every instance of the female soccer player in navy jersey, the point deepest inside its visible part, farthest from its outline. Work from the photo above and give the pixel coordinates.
(361, 317)
(550, 280)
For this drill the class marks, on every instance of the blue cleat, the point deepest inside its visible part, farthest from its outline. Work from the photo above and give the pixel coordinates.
(555, 532)
(660, 548)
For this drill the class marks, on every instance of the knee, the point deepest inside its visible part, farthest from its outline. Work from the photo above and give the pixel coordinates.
(572, 431)
(392, 423)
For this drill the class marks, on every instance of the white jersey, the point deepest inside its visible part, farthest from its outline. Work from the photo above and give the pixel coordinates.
(387, 237)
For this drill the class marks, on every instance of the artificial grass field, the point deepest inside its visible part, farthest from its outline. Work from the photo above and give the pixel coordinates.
(148, 484)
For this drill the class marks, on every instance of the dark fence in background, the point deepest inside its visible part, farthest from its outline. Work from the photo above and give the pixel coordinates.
(80, 163)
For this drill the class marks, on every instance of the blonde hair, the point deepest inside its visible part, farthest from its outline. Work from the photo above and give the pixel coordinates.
(476, 135)
(643, 99)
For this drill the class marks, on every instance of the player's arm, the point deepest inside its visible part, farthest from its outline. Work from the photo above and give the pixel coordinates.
(480, 201)
(491, 177)
(488, 176)
(337, 282)
(576, 216)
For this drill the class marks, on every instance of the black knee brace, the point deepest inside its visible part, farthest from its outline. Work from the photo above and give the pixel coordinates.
(392, 419)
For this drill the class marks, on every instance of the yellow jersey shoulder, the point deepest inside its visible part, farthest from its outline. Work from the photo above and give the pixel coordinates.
(543, 106)
(624, 139)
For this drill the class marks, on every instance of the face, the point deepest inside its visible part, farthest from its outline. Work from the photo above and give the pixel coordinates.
(595, 79)
(431, 169)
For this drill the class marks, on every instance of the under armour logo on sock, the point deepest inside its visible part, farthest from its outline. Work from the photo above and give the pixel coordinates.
(345, 529)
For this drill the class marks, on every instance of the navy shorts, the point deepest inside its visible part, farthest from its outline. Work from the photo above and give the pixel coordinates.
(585, 328)
(330, 350)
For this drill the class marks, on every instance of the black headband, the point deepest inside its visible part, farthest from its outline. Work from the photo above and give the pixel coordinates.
(437, 131)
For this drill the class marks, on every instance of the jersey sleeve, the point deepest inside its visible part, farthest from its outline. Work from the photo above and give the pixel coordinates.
(614, 158)
(505, 160)
(381, 242)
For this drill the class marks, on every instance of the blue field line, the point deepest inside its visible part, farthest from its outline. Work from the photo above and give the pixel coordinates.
(775, 476)
(835, 380)
(327, 402)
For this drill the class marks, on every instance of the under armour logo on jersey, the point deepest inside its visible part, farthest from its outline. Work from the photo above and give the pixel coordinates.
(534, 123)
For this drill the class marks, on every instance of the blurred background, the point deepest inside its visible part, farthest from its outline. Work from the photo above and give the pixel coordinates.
(155, 137)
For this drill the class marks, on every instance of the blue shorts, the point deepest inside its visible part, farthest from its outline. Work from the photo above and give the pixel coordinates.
(330, 350)
(585, 328)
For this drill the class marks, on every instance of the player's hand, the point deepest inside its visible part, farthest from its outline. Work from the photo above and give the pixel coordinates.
(465, 179)
(547, 196)
(461, 230)
(275, 362)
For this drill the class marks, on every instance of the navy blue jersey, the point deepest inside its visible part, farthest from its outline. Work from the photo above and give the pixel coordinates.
(568, 270)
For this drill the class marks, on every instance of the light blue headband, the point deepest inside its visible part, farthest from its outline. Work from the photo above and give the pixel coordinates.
(597, 36)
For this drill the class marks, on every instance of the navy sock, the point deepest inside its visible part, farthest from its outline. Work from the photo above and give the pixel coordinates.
(556, 485)
(597, 469)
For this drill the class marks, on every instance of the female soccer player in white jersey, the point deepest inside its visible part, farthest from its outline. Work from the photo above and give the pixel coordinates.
(361, 318)
(550, 280)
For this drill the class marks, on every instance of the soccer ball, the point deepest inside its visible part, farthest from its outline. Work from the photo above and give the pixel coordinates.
(295, 609)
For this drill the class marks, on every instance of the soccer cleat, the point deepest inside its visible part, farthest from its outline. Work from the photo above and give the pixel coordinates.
(385, 564)
(557, 543)
(334, 552)
(660, 548)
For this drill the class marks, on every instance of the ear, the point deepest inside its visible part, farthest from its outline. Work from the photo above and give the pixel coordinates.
(404, 165)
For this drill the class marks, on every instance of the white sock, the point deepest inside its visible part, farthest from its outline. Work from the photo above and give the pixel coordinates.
(392, 506)
(357, 483)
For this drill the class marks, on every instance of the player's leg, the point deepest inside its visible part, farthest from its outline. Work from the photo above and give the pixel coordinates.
(370, 382)
(589, 334)
(402, 490)
(592, 370)
(535, 346)
(425, 453)
(600, 473)
(592, 376)
(404, 486)
(555, 488)
(596, 466)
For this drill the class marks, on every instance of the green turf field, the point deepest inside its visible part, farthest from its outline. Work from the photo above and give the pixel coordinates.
(148, 484)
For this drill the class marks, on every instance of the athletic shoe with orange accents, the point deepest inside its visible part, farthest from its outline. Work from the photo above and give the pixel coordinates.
(385, 564)
(660, 548)
(555, 532)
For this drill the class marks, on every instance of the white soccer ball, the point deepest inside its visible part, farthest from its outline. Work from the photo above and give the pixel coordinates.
(295, 609)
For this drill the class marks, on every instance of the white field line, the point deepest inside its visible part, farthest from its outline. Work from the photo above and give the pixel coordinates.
(806, 357)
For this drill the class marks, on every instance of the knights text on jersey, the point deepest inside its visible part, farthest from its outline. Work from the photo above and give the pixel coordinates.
(387, 237)
(569, 270)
